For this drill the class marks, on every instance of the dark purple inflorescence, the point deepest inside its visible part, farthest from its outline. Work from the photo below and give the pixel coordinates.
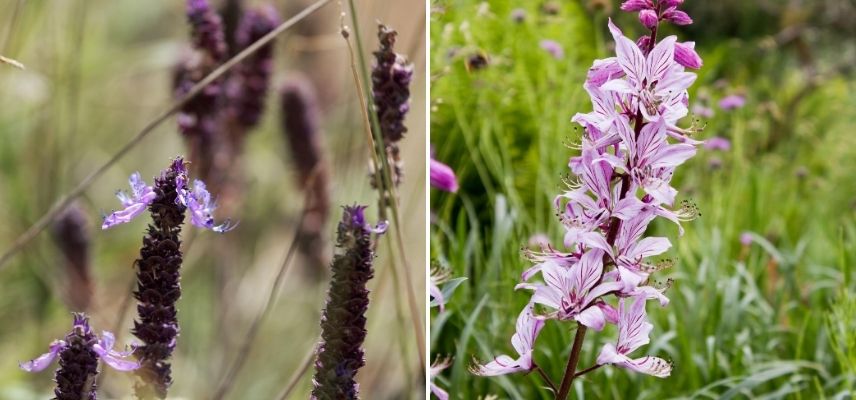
(78, 363)
(249, 87)
(343, 324)
(301, 124)
(391, 77)
(197, 119)
(158, 286)
(71, 233)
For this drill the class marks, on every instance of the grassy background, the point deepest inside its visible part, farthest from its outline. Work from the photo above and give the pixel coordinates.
(98, 71)
(770, 320)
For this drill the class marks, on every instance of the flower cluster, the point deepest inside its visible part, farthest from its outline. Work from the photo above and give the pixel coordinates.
(196, 199)
(343, 324)
(622, 181)
(78, 355)
(215, 121)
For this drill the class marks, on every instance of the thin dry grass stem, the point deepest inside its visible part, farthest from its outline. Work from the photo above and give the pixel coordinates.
(231, 374)
(14, 63)
(61, 204)
(393, 196)
(298, 375)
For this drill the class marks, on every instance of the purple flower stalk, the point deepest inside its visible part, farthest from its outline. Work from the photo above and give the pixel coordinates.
(249, 87)
(158, 268)
(79, 353)
(71, 233)
(301, 117)
(343, 324)
(630, 150)
(197, 120)
(391, 77)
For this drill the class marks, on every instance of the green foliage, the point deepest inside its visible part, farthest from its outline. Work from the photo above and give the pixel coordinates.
(744, 321)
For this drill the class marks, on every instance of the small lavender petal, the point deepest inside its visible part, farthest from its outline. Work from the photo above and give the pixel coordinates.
(141, 196)
(44, 360)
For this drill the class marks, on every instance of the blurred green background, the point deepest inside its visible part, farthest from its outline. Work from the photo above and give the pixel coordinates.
(770, 319)
(97, 72)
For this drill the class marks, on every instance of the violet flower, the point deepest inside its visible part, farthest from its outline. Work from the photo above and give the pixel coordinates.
(438, 275)
(523, 341)
(79, 353)
(249, 85)
(301, 124)
(717, 143)
(630, 150)
(633, 331)
(343, 324)
(553, 47)
(438, 366)
(732, 102)
(702, 110)
(746, 238)
(158, 268)
(575, 292)
(443, 177)
(391, 75)
(198, 200)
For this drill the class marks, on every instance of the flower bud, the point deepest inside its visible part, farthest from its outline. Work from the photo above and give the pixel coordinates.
(648, 18)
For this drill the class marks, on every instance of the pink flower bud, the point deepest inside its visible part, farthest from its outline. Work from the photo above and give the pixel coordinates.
(677, 17)
(671, 3)
(648, 18)
(637, 5)
(686, 55)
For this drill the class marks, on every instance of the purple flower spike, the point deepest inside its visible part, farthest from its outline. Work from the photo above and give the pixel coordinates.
(78, 357)
(633, 331)
(443, 177)
(250, 85)
(732, 102)
(198, 202)
(523, 341)
(135, 204)
(343, 324)
(391, 76)
(554, 48)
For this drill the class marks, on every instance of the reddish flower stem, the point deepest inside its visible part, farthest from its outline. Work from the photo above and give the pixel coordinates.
(612, 233)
